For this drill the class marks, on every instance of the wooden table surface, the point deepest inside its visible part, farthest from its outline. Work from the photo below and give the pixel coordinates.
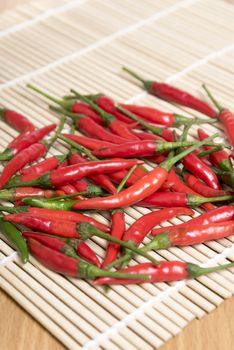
(19, 331)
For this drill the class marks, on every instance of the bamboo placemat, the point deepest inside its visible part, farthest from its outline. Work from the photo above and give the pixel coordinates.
(83, 44)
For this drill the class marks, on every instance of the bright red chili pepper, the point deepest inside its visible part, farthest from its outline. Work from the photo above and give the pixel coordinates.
(83, 108)
(142, 188)
(17, 194)
(23, 158)
(148, 136)
(16, 120)
(114, 124)
(90, 189)
(222, 214)
(100, 179)
(203, 189)
(167, 271)
(66, 265)
(172, 94)
(70, 189)
(87, 254)
(138, 173)
(117, 230)
(88, 142)
(219, 158)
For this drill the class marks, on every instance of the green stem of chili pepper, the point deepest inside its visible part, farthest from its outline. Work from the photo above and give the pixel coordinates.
(209, 151)
(125, 179)
(78, 147)
(57, 133)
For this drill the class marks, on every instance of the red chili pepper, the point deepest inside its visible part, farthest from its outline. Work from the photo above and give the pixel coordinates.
(137, 174)
(17, 194)
(72, 173)
(70, 189)
(175, 95)
(83, 108)
(90, 189)
(167, 271)
(66, 265)
(148, 136)
(26, 141)
(88, 142)
(100, 179)
(117, 230)
(225, 116)
(156, 116)
(87, 254)
(176, 185)
(203, 189)
(23, 158)
(222, 214)
(219, 158)
(176, 199)
(16, 120)
(142, 188)
(114, 124)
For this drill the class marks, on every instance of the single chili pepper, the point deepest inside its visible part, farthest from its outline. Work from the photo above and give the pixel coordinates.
(100, 179)
(177, 185)
(154, 115)
(142, 188)
(137, 174)
(226, 117)
(176, 199)
(167, 271)
(186, 236)
(56, 204)
(172, 94)
(88, 142)
(18, 121)
(203, 189)
(14, 236)
(220, 158)
(141, 227)
(148, 136)
(68, 229)
(26, 141)
(114, 124)
(66, 265)
(70, 189)
(23, 158)
(48, 164)
(222, 214)
(140, 149)
(225, 176)
(72, 173)
(68, 247)
(17, 194)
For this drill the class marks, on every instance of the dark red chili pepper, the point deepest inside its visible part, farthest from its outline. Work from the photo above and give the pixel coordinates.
(66, 265)
(117, 230)
(176, 199)
(167, 271)
(26, 141)
(203, 189)
(72, 173)
(154, 115)
(17, 194)
(100, 179)
(222, 214)
(23, 158)
(87, 253)
(142, 188)
(177, 185)
(175, 95)
(225, 116)
(114, 124)
(219, 158)
(88, 142)
(16, 120)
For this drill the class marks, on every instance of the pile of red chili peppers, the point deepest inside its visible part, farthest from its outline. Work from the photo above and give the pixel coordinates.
(106, 168)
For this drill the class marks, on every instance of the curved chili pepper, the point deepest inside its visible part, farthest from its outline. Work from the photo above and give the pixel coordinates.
(172, 94)
(222, 214)
(17, 194)
(225, 116)
(88, 142)
(67, 247)
(72, 173)
(14, 236)
(176, 199)
(148, 136)
(26, 141)
(117, 230)
(16, 120)
(66, 265)
(142, 188)
(41, 168)
(114, 124)
(137, 174)
(70, 189)
(203, 189)
(167, 271)
(154, 115)
(23, 158)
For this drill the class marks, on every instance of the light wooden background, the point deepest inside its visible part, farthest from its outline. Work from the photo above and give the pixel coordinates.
(19, 331)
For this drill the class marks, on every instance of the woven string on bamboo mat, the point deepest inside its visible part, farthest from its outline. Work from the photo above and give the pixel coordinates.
(82, 44)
